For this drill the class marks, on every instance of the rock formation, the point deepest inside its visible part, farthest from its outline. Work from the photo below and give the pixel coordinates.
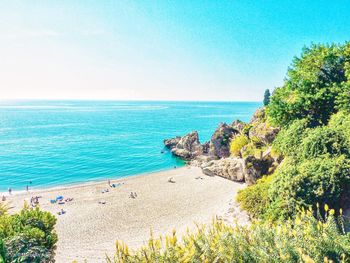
(260, 128)
(219, 145)
(246, 170)
(187, 147)
(214, 156)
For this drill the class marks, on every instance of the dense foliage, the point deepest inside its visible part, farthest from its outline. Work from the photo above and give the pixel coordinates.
(27, 236)
(304, 239)
(317, 85)
(312, 109)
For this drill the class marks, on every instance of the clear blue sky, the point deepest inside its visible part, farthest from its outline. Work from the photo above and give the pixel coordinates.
(158, 50)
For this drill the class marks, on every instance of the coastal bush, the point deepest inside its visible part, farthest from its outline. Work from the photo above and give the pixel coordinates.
(2, 252)
(316, 86)
(255, 198)
(28, 236)
(237, 144)
(3, 208)
(324, 141)
(289, 139)
(321, 180)
(303, 239)
(341, 123)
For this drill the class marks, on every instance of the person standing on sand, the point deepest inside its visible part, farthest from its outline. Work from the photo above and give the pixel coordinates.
(10, 191)
(27, 188)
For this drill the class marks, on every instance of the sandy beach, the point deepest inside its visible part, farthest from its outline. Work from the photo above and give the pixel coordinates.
(88, 230)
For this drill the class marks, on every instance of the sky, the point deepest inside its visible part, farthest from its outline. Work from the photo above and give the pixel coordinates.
(158, 50)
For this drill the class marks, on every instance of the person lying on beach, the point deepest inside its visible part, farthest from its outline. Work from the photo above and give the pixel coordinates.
(133, 195)
(104, 191)
(171, 180)
(62, 212)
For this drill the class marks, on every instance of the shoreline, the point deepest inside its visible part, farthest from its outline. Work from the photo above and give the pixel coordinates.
(95, 219)
(87, 183)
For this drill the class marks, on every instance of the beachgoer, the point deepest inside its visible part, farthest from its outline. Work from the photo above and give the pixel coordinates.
(109, 182)
(10, 191)
(27, 188)
(171, 180)
(3, 198)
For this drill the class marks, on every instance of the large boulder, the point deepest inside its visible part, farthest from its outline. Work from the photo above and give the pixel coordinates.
(187, 147)
(230, 168)
(219, 145)
(246, 170)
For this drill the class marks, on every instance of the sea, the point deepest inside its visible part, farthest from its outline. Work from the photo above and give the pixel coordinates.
(58, 143)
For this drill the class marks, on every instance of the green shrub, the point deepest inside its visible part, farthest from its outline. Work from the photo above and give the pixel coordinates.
(341, 123)
(28, 236)
(2, 252)
(318, 180)
(324, 141)
(254, 198)
(304, 239)
(289, 139)
(237, 144)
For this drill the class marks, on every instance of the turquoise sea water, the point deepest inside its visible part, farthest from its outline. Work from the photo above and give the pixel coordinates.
(51, 143)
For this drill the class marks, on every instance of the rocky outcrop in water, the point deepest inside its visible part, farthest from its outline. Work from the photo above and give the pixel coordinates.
(187, 147)
(214, 157)
(171, 143)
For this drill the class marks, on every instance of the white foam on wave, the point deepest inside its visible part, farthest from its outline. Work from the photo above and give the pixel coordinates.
(41, 126)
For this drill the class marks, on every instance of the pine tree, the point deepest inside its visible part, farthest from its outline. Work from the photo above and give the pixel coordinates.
(267, 97)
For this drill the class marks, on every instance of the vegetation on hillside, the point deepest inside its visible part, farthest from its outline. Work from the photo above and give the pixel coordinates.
(317, 86)
(27, 236)
(312, 109)
(303, 239)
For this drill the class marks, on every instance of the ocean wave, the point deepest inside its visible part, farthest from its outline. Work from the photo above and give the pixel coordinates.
(41, 126)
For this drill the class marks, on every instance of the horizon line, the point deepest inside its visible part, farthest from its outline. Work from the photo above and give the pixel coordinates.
(126, 100)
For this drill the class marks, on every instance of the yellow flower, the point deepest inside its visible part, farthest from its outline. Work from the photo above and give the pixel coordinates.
(326, 207)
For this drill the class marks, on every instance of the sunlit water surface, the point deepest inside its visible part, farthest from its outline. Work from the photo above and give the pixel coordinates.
(51, 143)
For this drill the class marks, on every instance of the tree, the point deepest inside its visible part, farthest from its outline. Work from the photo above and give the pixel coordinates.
(316, 86)
(267, 95)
